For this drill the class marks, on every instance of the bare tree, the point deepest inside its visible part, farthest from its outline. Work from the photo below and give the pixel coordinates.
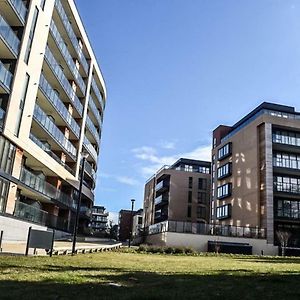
(283, 238)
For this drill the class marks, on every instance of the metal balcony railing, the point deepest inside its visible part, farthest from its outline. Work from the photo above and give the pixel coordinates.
(5, 77)
(65, 20)
(9, 37)
(67, 56)
(56, 69)
(54, 132)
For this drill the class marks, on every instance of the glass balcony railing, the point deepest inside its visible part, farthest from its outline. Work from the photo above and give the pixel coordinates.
(5, 77)
(9, 37)
(90, 148)
(71, 34)
(54, 132)
(40, 185)
(53, 64)
(93, 129)
(19, 8)
(30, 213)
(2, 117)
(52, 154)
(89, 169)
(52, 96)
(67, 56)
(98, 94)
(95, 111)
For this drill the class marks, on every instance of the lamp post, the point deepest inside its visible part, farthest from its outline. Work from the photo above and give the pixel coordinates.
(131, 222)
(84, 156)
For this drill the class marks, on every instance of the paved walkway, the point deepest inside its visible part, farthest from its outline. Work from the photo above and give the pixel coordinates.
(60, 247)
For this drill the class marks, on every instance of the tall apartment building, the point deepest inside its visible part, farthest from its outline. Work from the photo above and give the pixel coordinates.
(52, 100)
(256, 172)
(180, 192)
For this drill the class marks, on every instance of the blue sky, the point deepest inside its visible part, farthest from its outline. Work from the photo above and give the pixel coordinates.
(176, 69)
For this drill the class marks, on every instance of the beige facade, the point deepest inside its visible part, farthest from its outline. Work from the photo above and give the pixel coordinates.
(260, 186)
(178, 193)
(53, 98)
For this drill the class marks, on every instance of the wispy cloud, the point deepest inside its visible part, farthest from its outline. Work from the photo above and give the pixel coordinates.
(168, 145)
(127, 180)
(155, 161)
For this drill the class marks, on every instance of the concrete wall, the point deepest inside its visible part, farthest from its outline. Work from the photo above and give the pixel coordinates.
(199, 242)
(15, 230)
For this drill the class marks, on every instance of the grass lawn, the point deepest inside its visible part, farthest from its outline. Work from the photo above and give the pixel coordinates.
(118, 275)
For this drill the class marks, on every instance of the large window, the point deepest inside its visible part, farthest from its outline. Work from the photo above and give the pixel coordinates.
(225, 151)
(190, 197)
(202, 183)
(224, 211)
(224, 171)
(288, 209)
(4, 184)
(224, 191)
(203, 197)
(286, 137)
(204, 170)
(190, 182)
(286, 160)
(287, 184)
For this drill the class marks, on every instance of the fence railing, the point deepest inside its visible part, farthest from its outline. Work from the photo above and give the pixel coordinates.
(207, 229)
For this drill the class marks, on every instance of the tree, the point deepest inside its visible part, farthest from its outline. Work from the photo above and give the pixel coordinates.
(283, 238)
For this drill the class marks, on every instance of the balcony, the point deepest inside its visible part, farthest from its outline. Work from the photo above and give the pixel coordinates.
(95, 111)
(90, 148)
(59, 74)
(49, 126)
(98, 94)
(10, 43)
(89, 170)
(67, 56)
(84, 210)
(93, 130)
(59, 106)
(161, 200)
(49, 152)
(40, 185)
(161, 186)
(19, 8)
(30, 213)
(68, 27)
(5, 79)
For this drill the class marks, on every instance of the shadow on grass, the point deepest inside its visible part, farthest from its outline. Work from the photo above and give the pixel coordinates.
(117, 283)
(273, 260)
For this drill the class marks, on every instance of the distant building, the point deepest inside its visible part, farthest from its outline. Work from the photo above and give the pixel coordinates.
(137, 223)
(180, 192)
(99, 220)
(125, 222)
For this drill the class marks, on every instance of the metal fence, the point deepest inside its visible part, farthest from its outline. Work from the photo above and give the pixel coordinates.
(207, 229)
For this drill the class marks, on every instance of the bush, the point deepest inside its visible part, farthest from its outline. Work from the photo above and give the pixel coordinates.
(166, 249)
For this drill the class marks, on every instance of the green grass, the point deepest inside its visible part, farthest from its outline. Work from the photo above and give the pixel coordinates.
(119, 275)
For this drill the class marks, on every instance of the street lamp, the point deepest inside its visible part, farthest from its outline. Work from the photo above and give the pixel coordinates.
(84, 156)
(131, 222)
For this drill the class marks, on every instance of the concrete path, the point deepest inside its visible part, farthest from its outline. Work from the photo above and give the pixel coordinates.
(61, 247)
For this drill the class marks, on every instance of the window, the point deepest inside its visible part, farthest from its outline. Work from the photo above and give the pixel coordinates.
(224, 191)
(286, 137)
(224, 171)
(224, 211)
(225, 151)
(204, 170)
(190, 182)
(7, 155)
(31, 35)
(203, 197)
(287, 184)
(4, 184)
(202, 184)
(201, 212)
(188, 168)
(214, 142)
(288, 209)
(189, 212)
(21, 105)
(286, 160)
(190, 197)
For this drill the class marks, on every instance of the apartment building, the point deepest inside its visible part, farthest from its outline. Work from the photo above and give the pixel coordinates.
(52, 100)
(125, 224)
(180, 192)
(99, 220)
(256, 172)
(137, 223)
